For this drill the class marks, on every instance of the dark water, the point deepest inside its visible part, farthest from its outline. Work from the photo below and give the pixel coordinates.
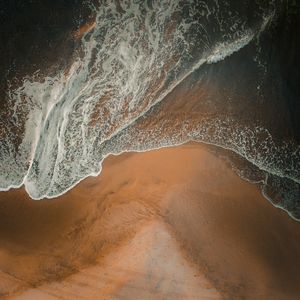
(149, 74)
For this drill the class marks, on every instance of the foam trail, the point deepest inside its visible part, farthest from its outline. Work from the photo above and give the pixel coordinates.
(234, 46)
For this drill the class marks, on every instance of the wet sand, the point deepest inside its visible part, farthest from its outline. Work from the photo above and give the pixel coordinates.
(174, 223)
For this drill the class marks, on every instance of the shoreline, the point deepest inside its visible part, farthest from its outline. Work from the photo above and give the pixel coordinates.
(228, 152)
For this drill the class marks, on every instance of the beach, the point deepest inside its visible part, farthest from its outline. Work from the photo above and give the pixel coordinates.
(172, 223)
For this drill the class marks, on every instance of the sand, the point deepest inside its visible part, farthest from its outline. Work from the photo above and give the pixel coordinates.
(174, 223)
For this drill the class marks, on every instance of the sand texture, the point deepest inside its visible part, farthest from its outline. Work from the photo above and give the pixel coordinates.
(174, 223)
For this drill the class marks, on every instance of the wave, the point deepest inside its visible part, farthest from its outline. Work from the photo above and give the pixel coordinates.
(135, 57)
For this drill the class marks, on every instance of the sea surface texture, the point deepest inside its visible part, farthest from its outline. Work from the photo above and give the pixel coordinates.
(150, 74)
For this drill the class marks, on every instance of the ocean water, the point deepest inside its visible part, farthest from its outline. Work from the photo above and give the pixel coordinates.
(152, 74)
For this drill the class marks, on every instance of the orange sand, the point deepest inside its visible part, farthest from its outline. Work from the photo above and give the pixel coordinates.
(175, 223)
(86, 28)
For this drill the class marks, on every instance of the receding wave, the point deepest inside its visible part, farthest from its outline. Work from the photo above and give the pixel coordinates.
(122, 92)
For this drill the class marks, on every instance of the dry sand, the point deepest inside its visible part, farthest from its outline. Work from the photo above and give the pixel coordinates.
(175, 223)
